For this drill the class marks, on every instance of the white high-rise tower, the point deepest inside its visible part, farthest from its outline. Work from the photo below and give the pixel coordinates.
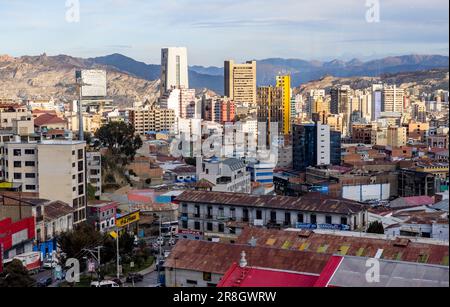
(174, 69)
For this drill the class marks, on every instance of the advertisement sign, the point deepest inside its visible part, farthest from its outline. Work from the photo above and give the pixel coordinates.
(322, 226)
(128, 219)
(190, 232)
(95, 83)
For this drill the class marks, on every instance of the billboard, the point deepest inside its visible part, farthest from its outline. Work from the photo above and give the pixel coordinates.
(128, 219)
(95, 82)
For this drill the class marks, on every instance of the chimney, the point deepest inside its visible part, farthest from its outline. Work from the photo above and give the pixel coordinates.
(243, 262)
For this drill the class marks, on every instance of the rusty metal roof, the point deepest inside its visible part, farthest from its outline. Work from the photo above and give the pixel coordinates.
(399, 249)
(324, 204)
(203, 256)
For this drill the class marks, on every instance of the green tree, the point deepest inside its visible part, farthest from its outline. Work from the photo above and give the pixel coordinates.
(376, 227)
(91, 192)
(120, 139)
(15, 275)
(81, 237)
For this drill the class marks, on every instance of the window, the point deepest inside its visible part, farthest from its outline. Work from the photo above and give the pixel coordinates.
(344, 220)
(80, 154)
(209, 226)
(184, 224)
(287, 218)
(197, 211)
(258, 214)
(210, 212)
(328, 220)
(17, 176)
(80, 166)
(30, 187)
(17, 152)
(197, 225)
(245, 217)
(30, 163)
(17, 164)
(80, 177)
(30, 175)
(29, 151)
(221, 228)
(73, 152)
(273, 216)
(313, 219)
(81, 189)
(207, 276)
(300, 218)
(233, 213)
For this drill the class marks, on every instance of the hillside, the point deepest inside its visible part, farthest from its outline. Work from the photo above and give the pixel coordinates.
(427, 80)
(44, 77)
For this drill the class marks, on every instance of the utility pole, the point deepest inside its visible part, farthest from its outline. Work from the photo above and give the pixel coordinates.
(117, 251)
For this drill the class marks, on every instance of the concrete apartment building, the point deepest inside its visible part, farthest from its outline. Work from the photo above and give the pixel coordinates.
(94, 171)
(392, 99)
(54, 169)
(396, 136)
(224, 215)
(152, 119)
(228, 175)
(240, 82)
(174, 68)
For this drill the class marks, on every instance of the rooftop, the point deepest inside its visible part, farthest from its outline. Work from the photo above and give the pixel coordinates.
(341, 244)
(56, 210)
(237, 276)
(305, 203)
(218, 257)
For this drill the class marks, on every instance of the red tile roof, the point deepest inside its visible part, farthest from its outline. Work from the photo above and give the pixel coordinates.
(47, 119)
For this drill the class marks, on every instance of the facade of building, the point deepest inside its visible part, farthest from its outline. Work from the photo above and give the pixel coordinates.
(311, 146)
(285, 83)
(174, 68)
(102, 215)
(392, 99)
(54, 169)
(240, 82)
(152, 119)
(94, 171)
(228, 175)
(223, 215)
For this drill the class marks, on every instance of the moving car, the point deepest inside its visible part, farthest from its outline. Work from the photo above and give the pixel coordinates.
(104, 284)
(134, 277)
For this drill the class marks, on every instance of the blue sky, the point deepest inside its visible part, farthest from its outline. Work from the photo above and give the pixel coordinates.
(214, 30)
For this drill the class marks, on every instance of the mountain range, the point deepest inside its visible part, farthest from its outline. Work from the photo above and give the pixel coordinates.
(301, 71)
(34, 77)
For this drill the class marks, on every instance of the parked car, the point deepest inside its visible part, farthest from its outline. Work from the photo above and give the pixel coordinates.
(44, 282)
(104, 284)
(134, 277)
(160, 241)
(49, 264)
(172, 242)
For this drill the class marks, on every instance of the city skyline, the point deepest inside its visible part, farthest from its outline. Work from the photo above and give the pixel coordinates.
(240, 30)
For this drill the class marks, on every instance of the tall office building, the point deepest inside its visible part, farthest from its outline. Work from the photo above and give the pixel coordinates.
(339, 99)
(270, 108)
(284, 82)
(392, 99)
(311, 146)
(377, 90)
(240, 82)
(174, 69)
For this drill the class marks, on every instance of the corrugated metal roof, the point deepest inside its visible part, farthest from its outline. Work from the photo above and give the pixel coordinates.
(203, 256)
(403, 249)
(305, 203)
(352, 273)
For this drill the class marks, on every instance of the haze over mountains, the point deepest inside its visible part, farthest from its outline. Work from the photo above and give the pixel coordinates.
(34, 77)
(301, 71)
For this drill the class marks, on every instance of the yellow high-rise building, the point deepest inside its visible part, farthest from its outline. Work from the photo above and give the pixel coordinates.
(284, 82)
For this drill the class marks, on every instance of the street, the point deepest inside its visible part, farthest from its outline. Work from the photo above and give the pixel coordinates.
(150, 281)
